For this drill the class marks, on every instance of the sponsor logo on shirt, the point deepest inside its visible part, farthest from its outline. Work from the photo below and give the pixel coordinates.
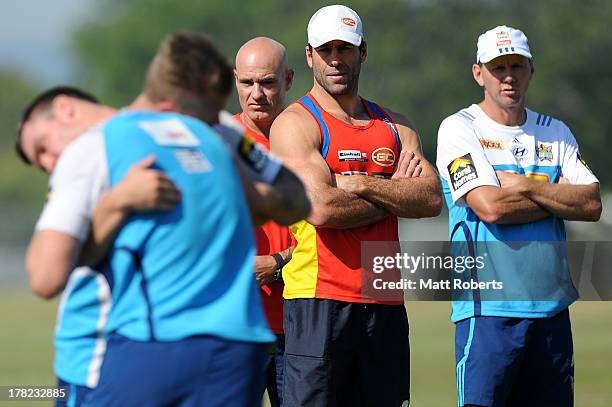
(349, 21)
(545, 153)
(171, 132)
(519, 152)
(351, 155)
(580, 159)
(252, 154)
(538, 176)
(492, 144)
(192, 161)
(462, 170)
(383, 156)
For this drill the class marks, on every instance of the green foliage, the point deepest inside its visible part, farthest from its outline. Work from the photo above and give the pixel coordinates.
(420, 53)
(16, 93)
(19, 184)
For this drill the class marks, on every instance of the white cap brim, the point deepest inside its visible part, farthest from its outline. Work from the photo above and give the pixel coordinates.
(350, 37)
(501, 51)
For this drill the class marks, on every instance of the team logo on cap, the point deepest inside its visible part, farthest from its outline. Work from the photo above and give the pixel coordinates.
(503, 39)
(349, 21)
(383, 156)
(502, 35)
(462, 170)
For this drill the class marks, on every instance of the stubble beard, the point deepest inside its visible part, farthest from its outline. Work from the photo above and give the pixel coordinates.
(339, 89)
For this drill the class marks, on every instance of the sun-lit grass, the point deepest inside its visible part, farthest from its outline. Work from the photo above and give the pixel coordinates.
(26, 348)
(26, 351)
(431, 338)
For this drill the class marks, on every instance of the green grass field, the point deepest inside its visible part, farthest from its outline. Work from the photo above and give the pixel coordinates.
(431, 340)
(26, 327)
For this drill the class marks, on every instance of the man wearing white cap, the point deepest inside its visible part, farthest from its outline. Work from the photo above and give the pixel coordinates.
(510, 174)
(362, 167)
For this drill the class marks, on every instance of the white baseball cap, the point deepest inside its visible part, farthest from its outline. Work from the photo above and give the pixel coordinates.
(501, 40)
(335, 22)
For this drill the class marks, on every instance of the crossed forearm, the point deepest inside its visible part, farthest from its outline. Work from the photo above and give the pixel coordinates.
(406, 197)
(339, 209)
(571, 202)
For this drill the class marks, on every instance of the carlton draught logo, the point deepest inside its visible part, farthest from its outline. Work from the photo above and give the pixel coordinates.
(383, 156)
(349, 21)
(462, 170)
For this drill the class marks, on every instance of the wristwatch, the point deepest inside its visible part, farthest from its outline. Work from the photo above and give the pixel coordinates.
(280, 262)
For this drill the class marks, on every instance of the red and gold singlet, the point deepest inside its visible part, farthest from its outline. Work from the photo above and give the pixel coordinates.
(326, 262)
(270, 238)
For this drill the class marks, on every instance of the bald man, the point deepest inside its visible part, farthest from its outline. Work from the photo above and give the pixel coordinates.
(263, 78)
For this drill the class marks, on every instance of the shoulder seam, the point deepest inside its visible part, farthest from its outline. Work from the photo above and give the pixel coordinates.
(544, 120)
(465, 115)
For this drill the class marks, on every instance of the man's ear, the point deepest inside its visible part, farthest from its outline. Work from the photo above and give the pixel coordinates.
(309, 51)
(477, 74)
(363, 50)
(63, 108)
(289, 79)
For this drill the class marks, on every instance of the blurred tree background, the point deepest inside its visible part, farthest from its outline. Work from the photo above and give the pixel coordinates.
(420, 53)
(22, 190)
(419, 63)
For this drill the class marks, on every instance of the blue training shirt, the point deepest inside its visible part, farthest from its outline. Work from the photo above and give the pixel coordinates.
(530, 258)
(78, 182)
(188, 271)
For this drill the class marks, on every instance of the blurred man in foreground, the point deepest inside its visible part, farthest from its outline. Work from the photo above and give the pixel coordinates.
(56, 123)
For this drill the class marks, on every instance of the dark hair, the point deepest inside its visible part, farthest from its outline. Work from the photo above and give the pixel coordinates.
(188, 69)
(480, 64)
(43, 102)
(363, 41)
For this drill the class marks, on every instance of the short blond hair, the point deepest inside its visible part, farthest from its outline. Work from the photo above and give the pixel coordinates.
(189, 70)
